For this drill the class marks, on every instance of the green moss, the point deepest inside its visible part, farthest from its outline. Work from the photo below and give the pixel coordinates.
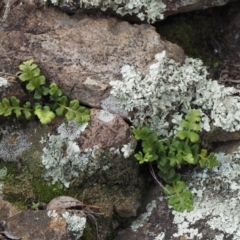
(89, 233)
(198, 33)
(45, 191)
(20, 205)
(18, 187)
(11, 168)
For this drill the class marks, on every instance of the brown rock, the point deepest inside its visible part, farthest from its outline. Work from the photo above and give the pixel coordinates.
(223, 136)
(176, 6)
(172, 7)
(82, 55)
(44, 225)
(105, 130)
(9, 86)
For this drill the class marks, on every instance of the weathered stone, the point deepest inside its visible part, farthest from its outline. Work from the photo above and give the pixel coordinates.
(44, 224)
(105, 130)
(79, 53)
(216, 205)
(176, 6)
(136, 11)
(90, 160)
(9, 86)
(223, 136)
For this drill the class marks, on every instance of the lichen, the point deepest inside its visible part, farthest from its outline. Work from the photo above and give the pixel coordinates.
(64, 160)
(144, 217)
(71, 130)
(13, 142)
(4, 82)
(75, 223)
(144, 9)
(216, 200)
(169, 90)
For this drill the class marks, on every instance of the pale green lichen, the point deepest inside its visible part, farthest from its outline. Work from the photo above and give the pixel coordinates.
(71, 130)
(13, 142)
(75, 222)
(62, 157)
(218, 204)
(64, 161)
(144, 217)
(143, 9)
(170, 90)
(4, 82)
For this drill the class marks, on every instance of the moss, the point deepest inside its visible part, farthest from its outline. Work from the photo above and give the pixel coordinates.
(89, 233)
(11, 168)
(18, 187)
(20, 205)
(45, 191)
(198, 33)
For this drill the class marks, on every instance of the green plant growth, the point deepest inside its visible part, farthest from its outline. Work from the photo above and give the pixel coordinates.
(171, 154)
(47, 101)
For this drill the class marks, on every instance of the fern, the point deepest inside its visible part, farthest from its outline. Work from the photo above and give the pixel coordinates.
(53, 102)
(171, 154)
(12, 106)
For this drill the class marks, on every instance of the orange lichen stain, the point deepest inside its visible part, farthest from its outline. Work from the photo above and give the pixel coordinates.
(13, 138)
(58, 225)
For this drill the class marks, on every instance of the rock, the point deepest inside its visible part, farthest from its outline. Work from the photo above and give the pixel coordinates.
(175, 6)
(216, 208)
(223, 136)
(134, 10)
(90, 161)
(232, 38)
(81, 54)
(44, 224)
(9, 86)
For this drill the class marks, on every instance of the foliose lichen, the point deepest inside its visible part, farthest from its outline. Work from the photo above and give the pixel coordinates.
(216, 200)
(75, 222)
(143, 9)
(13, 142)
(64, 160)
(62, 157)
(170, 90)
(4, 82)
(144, 217)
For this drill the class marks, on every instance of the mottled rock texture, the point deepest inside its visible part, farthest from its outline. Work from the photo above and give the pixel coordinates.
(28, 225)
(134, 10)
(79, 53)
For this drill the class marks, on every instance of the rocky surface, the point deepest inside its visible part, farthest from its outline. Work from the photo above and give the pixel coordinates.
(79, 53)
(85, 161)
(44, 224)
(136, 11)
(93, 162)
(9, 86)
(216, 203)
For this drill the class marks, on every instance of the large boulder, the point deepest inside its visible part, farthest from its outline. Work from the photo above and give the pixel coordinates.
(79, 53)
(134, 10)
